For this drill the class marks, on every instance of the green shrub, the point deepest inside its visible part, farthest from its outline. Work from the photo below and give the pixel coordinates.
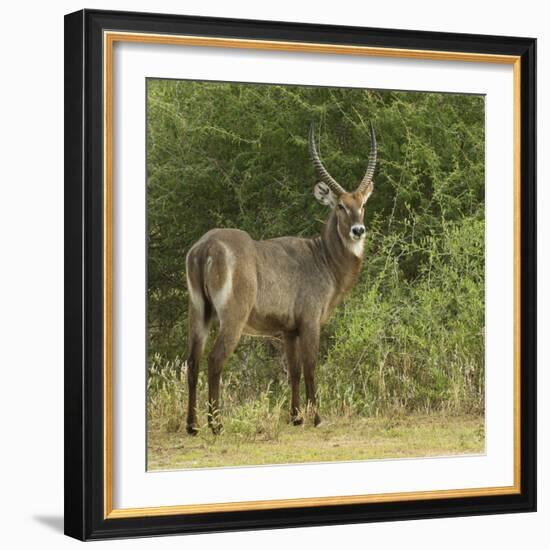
(410, 336)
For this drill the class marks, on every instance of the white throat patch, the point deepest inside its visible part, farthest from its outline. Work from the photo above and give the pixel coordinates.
(356, 247)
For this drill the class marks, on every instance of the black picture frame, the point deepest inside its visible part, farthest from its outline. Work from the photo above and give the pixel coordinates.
(84, 281)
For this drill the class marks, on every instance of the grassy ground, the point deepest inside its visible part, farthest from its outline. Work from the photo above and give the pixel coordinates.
(335, 439)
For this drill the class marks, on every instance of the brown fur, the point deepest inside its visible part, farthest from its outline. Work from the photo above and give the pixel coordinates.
(285, 286)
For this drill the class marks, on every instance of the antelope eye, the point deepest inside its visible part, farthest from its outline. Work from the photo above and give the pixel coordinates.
(341, 207)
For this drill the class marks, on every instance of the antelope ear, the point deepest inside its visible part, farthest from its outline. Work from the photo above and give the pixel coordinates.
(368, 192)
(324, 195)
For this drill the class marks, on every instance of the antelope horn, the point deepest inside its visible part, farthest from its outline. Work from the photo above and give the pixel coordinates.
(322, 173)
(367, 178)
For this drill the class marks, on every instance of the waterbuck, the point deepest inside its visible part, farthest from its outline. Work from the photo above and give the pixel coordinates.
(285, 287)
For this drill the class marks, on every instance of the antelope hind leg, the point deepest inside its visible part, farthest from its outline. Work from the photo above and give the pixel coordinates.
(199, 324)
(226, 342)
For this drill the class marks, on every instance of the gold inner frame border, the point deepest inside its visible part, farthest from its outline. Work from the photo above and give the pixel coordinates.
(109, 39)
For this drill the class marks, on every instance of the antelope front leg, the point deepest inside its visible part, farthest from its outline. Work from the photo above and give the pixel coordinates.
(294, 373)
(309, 347)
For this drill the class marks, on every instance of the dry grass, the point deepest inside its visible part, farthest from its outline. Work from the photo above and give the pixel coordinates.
(337, 439)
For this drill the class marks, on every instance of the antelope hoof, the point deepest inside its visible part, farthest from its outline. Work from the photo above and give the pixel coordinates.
(297, 420)
(216, 428)
(191, 430)
(317, 420)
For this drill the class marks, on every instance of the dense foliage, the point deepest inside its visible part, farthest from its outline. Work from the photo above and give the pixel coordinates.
(410, 336)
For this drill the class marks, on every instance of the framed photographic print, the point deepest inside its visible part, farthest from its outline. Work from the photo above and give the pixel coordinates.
(300, 274)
